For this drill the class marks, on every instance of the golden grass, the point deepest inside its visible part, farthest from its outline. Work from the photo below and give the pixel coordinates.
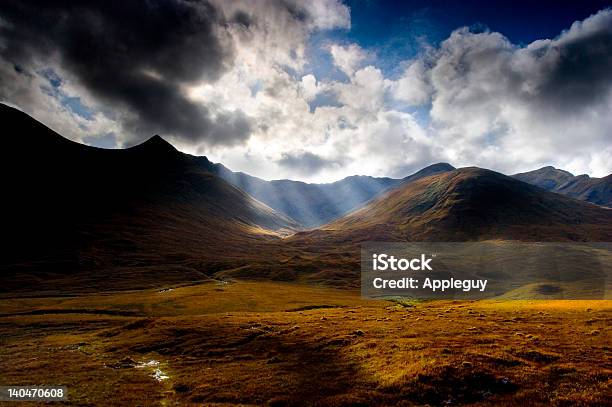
(204, 298)
(258, 343)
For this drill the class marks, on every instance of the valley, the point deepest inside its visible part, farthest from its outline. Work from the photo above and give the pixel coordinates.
(144, 277)
(306, 203)
(265, 343)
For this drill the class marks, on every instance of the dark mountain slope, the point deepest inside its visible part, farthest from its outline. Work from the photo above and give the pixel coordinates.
(595, 190)
(70, 208)
(583, 187)
(316, 204)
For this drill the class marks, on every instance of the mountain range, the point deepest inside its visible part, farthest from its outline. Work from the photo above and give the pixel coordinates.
(470, 204)
(583, 187)
(313, 205)
(80, 216)
(467, 204)
(71, 209)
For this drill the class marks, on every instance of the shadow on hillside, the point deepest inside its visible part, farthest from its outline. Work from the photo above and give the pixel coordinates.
(283, 364)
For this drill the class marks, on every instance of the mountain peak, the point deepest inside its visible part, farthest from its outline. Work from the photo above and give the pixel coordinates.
(551, 169)
(440, 167)
(429, 170)
(471, 204)
(547, 177)
(156, 144)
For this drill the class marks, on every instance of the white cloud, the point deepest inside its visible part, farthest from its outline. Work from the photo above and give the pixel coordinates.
(412, 87)
(492, 103)
(309, 87)
(328, 14)
(365, 92)
(33, 93)
(347, 58)
(501, 106)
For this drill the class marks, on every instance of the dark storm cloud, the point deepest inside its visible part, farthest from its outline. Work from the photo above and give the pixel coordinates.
(243, 19)
(305, 163)
(576, 70)
(564, 75)
(134, 57)
(296, 10)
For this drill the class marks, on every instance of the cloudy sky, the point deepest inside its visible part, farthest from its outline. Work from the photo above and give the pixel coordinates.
(322, 89)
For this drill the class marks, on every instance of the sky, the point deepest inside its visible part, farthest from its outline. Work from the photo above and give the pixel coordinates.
(322, 89)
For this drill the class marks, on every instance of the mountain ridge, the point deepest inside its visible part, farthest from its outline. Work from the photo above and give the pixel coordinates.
(582, 187)
(147, 215)
(314, 204)
(464, 205)
(473, 204)
(147, 212)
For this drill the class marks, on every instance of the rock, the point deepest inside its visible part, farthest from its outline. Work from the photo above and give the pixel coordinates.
(181, 388)
(124, 363)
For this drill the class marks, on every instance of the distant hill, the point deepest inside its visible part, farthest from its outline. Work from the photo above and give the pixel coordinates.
(70, 208)
(313, 205)
(583, 187)
(467, 204)
(470, 204)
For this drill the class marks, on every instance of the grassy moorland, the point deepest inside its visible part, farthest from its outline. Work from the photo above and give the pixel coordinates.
(114, 282)
(258, 343)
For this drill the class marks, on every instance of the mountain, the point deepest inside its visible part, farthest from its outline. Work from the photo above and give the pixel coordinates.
(79, 217)
(470, 204)
(467, 204)
(313, 205)
(583, 187)
(148, 211)
(596, 190)
(548, 178)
